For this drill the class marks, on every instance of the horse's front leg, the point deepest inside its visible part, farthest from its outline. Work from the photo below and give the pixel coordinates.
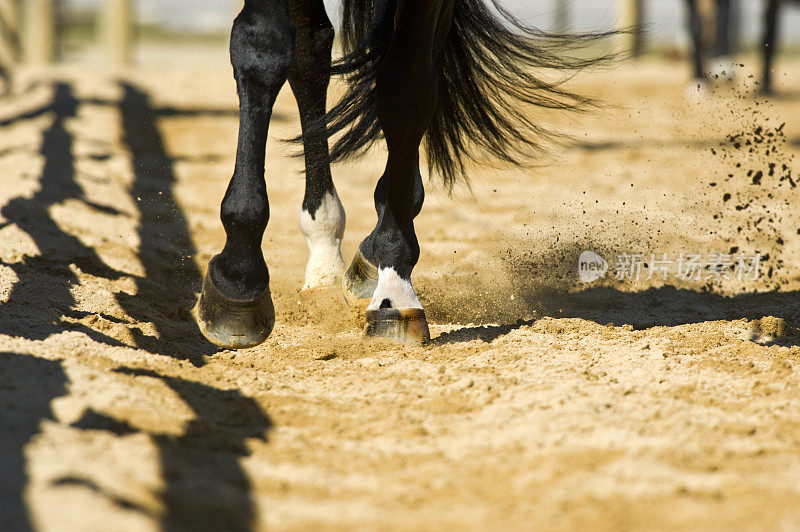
(235, 309)
(322, 219)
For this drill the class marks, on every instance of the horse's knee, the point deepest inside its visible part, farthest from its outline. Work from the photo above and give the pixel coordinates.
(262, 46)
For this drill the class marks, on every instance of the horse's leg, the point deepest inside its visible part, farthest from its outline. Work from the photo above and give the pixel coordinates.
(723, 49)
(235, 309)
(406, 84)
(322, 218)
(361, 278)
(695, 25)
(770, 43)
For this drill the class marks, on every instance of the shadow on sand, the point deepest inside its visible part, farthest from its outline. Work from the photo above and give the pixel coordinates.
(205, 485)
(665, 306)
(166, 292)
(27, 386)
(42, 296)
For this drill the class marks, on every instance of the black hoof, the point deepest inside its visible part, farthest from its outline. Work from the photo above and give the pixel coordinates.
(406, 326)
(360, 281)
(231, 323)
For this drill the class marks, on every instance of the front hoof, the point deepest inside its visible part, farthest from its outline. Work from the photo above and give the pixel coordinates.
(232, 323)
(406, 326)
(360, 281)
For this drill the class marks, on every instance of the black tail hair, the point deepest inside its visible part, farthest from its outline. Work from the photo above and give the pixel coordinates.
(487, 85)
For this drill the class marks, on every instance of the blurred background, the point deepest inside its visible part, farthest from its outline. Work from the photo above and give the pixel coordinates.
(118, 138)
(41, 31)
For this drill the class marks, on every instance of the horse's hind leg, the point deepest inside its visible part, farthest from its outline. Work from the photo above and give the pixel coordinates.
(406, 86)
(322, 218)
(235, 309)
(361, 277)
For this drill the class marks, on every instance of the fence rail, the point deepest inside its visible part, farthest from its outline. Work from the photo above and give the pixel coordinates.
(29, 31)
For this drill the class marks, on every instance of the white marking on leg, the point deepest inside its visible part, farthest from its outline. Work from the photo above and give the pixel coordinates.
(324, 235)
(397, 290)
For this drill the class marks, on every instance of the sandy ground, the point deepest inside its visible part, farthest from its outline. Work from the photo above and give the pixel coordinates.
(543, 403)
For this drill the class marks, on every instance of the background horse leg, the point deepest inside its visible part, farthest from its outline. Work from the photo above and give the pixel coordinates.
(723, 66)
(235, 309)
(322, 219)
(695, 24)
(770, 43)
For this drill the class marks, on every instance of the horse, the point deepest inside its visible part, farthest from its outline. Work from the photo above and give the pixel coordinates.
(457, 75)
(723, 48)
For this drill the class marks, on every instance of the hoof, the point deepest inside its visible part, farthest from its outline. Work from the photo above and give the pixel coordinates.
(407, 326)
(360, 281)
(232, 323)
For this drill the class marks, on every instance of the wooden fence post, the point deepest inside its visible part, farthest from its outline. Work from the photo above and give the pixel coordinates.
(38, 33)
(9, 32)
(631, 18)
(117, 29)
(735, 27)
(561, 23)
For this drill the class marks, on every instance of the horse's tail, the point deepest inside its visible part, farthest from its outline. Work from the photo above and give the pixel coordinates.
(490, 68)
